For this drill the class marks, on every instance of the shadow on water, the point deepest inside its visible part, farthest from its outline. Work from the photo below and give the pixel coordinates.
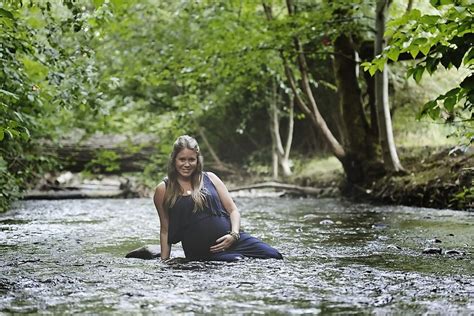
(68, 256)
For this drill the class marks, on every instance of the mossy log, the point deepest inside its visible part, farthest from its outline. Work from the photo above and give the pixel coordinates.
(77, 158)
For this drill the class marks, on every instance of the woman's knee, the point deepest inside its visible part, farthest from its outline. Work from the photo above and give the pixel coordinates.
(229, 257)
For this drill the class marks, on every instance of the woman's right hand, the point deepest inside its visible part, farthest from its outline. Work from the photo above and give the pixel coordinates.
(165, 261)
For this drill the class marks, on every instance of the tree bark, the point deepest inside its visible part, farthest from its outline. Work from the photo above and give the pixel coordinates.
(274, 129)
(367, 54)
(387, 142)
(291, 124)
(358, 142)
(217, 161)
(280, 155)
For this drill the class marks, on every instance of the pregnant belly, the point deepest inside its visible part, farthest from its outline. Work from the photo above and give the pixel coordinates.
(200, 236)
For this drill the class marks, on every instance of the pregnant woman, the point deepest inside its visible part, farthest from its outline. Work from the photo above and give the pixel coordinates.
(195, 208)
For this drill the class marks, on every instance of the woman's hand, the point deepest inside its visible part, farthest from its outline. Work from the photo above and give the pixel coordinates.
(165, 261)
(223, 243)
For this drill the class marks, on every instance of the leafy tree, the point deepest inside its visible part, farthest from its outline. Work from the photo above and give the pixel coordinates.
(20, 103)
(445, 39)
(46, 80)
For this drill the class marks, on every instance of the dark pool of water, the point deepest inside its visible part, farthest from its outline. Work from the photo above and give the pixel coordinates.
(341, 258)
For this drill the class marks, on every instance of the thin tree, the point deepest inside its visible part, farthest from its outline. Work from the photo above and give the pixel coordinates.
(308, 104)
(280, 154)
(387, 142)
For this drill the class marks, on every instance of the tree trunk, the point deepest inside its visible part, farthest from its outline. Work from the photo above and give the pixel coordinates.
(274, 161)
(367, 54)
(285, 161)
(360, 159)
(274, 127)
(218, 163)
(280, 155)
(387, 142)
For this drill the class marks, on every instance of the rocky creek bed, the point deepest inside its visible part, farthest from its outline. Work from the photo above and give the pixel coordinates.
(67, 256)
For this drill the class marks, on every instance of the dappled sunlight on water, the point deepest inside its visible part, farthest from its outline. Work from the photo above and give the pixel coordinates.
(68, 256)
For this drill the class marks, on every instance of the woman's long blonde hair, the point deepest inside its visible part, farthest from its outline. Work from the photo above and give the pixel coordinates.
(173, 189)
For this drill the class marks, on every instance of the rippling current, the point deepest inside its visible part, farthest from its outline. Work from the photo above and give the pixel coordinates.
(341, 258)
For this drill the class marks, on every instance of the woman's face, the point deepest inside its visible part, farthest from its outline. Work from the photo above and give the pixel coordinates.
(186, 162)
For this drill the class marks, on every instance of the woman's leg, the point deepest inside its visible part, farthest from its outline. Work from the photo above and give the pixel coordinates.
(249, 246)
(228, 256)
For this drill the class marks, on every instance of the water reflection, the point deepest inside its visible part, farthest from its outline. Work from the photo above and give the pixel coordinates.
(68, 256)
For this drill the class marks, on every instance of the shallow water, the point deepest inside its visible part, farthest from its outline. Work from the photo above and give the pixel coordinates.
(340, 258)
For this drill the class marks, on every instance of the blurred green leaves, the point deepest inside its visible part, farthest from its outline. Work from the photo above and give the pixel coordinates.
(445, 38)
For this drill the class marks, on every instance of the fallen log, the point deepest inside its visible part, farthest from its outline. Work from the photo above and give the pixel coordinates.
(76, 158)
(330, 191)
(74, 194)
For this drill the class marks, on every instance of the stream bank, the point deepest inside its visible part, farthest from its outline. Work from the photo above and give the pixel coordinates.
(435, 177)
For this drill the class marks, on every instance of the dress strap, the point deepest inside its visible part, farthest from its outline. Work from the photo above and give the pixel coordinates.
(214, 205)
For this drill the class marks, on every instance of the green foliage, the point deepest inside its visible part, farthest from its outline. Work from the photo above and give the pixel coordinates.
(105, 160)
(166, 68)
(464, 198)
(44, 74)
(18, 104)
(434, 40)
(10, 186)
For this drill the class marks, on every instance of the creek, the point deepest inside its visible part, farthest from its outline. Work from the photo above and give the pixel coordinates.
(68, 256)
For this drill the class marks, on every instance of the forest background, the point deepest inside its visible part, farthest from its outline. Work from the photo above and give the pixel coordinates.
(285, 90)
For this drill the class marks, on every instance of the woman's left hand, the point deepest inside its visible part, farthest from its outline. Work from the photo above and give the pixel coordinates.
(223, 243)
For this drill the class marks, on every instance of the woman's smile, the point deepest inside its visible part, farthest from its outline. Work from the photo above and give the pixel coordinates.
(186, 162)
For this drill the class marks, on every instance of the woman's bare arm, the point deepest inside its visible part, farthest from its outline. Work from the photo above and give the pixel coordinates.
(225, 241)
(164, 220)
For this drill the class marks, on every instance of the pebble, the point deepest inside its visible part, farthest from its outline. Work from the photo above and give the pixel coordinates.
(326, 222)
(309, 217)
(454, 252)
(379, 226)
(146, 252)
(432, 251)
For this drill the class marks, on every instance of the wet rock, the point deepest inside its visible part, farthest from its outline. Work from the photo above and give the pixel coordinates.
(146, 252)
(432, 251)
(326, 222)
(436, 240)
(394, 247)
(310, 217)
(379, 226)
(454, 252)
(383, 300)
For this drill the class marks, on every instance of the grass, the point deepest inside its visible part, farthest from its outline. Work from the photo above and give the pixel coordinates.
(317, 170)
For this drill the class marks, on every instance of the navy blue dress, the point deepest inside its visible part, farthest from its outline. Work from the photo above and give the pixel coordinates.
(199, 230)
